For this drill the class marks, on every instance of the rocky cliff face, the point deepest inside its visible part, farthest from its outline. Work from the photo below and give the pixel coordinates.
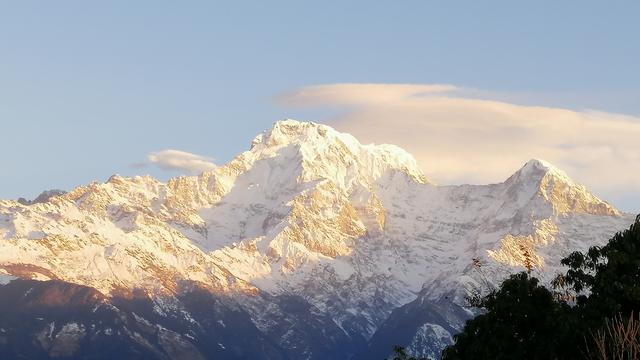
(315, 236)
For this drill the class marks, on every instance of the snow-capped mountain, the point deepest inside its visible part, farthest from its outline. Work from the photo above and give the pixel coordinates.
(314, 236)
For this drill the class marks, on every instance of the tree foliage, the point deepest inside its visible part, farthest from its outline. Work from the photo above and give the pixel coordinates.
(607, 279)
(515, 325)
(400, 353)
(524, 320)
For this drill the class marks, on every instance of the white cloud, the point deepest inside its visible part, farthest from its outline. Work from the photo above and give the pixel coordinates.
(182, 161)
(358, 94)
(458, 139)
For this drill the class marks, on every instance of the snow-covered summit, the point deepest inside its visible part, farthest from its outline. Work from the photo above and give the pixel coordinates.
(554, 187)
(536, 170)
(544, 166)
(324, 151)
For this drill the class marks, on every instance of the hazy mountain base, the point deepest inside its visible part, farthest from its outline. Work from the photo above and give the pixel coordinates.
(424, 326)
(54, 319)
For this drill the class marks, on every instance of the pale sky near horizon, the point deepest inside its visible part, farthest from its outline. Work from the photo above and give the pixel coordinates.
(92, 89)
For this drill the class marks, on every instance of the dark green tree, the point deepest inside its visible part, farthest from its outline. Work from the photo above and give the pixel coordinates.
(522, 321)
(400, 353)
(606, 283)
(607, 279)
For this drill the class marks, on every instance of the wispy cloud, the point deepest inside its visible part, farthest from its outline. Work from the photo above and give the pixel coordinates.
(171, 159)
(460, 139)
(359, 94)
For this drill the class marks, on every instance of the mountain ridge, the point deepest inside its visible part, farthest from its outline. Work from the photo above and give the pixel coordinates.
(307, 216)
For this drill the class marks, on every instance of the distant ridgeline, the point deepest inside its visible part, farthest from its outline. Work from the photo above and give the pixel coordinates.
(43, 197)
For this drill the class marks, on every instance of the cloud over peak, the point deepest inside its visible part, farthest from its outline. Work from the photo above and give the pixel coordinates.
(171, 159)
(459, 139)
(358, 94)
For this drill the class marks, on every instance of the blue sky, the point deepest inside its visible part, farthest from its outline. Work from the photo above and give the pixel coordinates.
(87, 89)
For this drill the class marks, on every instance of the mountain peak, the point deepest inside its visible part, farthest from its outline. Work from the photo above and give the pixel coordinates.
(547, 182)
(539, 167)
(321, 147)
(537, 171)
(289, 131)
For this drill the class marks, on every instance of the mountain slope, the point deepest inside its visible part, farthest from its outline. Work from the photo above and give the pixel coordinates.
(54, 319)
(307, 216)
